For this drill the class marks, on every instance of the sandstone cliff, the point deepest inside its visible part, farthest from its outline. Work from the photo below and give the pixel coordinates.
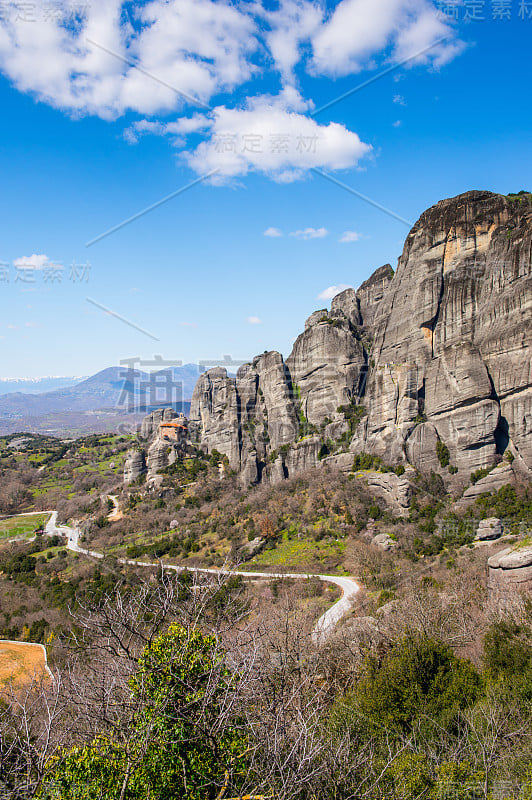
(437, 354)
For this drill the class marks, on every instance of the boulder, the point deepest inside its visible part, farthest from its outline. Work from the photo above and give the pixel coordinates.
(251, 549)
(394, 490)
(491, 528)
(384, 541)
(509, 575)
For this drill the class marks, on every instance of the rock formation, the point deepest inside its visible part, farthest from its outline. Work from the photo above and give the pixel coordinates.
(395, 491)
(164, 437)
(499, 476)
(509, 574)
(452, 337)
(134, 465)
(490, 528)
(437, 354)
(384, 541)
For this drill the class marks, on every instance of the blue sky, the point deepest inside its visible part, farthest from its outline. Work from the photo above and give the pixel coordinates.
(88, 140)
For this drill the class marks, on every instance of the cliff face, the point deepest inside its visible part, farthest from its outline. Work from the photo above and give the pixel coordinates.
(438, 352)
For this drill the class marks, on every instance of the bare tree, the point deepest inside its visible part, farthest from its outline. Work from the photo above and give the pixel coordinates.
(30, 725)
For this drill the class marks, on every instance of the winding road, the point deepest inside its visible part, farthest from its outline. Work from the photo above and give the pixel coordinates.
(325, 624)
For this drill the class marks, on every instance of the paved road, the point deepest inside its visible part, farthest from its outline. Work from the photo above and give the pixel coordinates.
(324, 625)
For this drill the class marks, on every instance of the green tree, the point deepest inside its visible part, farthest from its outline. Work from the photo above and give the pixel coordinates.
(508, 652)
(183, 741)
(418, 680)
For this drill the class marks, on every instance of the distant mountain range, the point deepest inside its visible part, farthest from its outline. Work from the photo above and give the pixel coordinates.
(119, 394)
(38, 385)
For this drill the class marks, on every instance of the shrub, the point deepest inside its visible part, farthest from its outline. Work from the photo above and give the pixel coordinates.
(419, 678)
(366, 461)
(353, 413)
(323, 451)
(480, 473)
(442, 451)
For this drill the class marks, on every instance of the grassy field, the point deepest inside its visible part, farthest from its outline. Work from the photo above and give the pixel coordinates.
(21, 525)
(300, 553)
(19, 663)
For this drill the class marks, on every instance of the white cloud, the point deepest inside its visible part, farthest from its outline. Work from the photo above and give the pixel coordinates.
(198, 47)
(350, 236)
(253, 320)
(32, 262)
(397, 123)
(272, 233)
(310, 233)
(427, 27)
(268, 137)
(331, 291)
(358, 30)
(291, 24)
(399, 100)
(189, 51)
(179, 128)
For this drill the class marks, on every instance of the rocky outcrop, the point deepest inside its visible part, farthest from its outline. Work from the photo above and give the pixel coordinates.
(216, 409)
(252, 548)
(163, 438)
(160, 455)
(384, 541)
(509, 575)
(503, 474)
(458, 306)
(327, 365)
(249, 417)
(395, 491)
(370, 295)
(439, 355)
(150, 424)
(491, 528)
(134, 466)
